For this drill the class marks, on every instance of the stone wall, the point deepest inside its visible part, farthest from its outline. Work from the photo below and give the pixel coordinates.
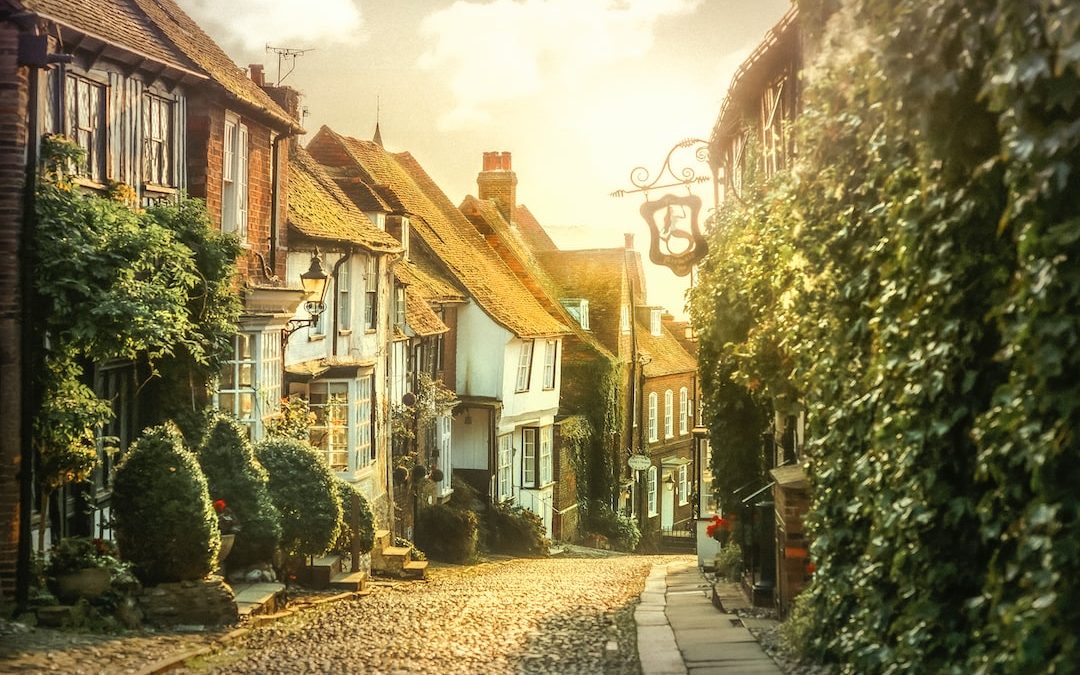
(207, 602)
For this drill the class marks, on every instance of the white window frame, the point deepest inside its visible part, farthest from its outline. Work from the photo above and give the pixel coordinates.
(546, 464)
(365, 422)
(506, 462)
(654, 322)
(399, 305)
(331, 435)
(684, 485)
(624, 318)
(651, 484)
(529, 442)
(344, 299)
(684, 411)
(238, 382)
(371, 294)
(584, 320)
(234, 178)
(669, 414)
(653, 437)
(444, 438)
(524, 367)
(551, 349)
(159, 118)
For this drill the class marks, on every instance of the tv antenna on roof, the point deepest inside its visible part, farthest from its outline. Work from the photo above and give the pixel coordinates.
(286, 54)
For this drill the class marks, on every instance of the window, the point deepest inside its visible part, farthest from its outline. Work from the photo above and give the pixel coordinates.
(684, 411)
(684, 486)
(344, 300)
(579, 309)
(652, 491)
(652, 417)
(550, 350)
(234, 179)
(669, 414)
(445, 459)
(524, 365)
(269, 374)
(157, 119)
(528, 456)
(506, 455)
(329, 401)
(84, 120)
(654, 322)
(236, 388)
(545, 455)
(399, 306)
(365, 423)
(624, 319)
(371, 293)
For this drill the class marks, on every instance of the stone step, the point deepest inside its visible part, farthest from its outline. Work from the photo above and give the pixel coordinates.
(383, 538)
(415, 569)
(395, 551)
(261, 598)
(346, 581)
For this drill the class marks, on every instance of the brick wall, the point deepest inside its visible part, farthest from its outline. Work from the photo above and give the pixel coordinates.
(498, 182)
(13, 102)
(564, 525)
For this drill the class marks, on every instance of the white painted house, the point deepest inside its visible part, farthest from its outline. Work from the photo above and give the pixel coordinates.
(502, 350)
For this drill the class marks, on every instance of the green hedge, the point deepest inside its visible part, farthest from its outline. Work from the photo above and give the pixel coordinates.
(304, 491)
(515, 530)
(366, 532)
(233, 474)
(913, 281)
(446, 533)
(164, 522)
(621, 531)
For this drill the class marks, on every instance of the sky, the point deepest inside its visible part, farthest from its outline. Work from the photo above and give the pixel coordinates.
(579, 91)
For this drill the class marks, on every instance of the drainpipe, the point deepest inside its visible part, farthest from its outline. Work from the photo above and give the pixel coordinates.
(275, 198)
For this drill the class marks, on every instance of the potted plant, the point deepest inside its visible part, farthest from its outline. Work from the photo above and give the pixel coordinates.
(437, 474)
(229, 526)
(80, 567)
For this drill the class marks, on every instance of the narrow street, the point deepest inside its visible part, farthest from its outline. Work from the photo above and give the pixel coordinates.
(533, 616)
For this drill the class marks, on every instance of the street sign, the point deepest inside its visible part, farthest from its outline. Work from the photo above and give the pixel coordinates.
(639, 462)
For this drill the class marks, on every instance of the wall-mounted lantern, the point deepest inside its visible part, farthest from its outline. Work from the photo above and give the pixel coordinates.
(314, 283)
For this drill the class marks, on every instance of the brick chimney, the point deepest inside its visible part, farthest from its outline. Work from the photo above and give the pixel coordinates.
(499, 183)
(257, 74)
(629, 237)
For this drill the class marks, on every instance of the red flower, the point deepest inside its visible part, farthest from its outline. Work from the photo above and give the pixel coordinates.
(219, 505)
(810, 567)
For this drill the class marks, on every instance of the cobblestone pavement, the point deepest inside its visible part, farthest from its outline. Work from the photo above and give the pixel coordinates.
(516, 616)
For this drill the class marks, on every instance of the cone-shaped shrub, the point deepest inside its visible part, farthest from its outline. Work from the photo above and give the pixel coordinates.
(234, 475)
(446, 533)
(305, 493)
(366, 531)
(164, 522)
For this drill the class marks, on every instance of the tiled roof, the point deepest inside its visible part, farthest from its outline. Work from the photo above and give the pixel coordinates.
(515, 252)
(451, 238)
(318, 209)
(428, 282)
(200, 48)
(666, 356)
(531, 230)
(118, 21)
(420, 317)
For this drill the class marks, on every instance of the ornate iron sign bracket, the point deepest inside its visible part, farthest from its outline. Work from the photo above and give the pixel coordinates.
(676, 242)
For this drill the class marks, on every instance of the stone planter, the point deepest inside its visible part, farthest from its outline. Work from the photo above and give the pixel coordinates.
(227, 542)
(90, 582)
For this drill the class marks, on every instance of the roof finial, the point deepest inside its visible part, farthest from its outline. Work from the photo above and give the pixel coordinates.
(377, 138)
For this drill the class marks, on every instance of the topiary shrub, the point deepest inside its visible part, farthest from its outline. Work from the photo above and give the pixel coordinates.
(446, 533)
(515, 530)
(366, 531)
(164, 522)
(303, 489)
(234, 475)
(622, 532)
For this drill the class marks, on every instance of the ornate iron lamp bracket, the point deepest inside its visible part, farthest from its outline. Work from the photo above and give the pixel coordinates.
(676, 241)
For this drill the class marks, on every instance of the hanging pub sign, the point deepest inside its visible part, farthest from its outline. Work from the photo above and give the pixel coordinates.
(676, 241)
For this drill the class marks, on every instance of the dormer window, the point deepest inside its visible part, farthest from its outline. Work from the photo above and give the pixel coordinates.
(624, 319)
(654, 322)
(579, 309)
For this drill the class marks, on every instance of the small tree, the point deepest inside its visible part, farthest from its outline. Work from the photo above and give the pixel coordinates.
(234, 475)
(165, 524)
(366, 531)
(303, 489)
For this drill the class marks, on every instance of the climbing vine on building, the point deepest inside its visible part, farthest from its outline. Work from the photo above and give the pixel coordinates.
(914, 283)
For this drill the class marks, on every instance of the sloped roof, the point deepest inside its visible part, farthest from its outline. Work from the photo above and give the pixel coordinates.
(183, 32)
(534, 234)
(320, 210)
(421, 318)
(451, 238)
(118, 21)
(667, 356)
(430, 284)
(517, 254)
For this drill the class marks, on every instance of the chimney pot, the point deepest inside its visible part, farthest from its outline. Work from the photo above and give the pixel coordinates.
(629, 236)
(505, 163)
(490, 161)
(257, 75)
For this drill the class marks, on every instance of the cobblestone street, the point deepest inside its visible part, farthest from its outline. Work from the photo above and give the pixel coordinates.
(513, 616)
(533, 616)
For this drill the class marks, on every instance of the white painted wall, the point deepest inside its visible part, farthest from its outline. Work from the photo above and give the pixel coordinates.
(481, 353)
(537, 402)
(471, 440)
(539, 502)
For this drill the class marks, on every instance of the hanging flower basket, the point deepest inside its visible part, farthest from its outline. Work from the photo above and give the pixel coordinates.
(91, 582)
(401, 474)
(437, 474)
(419, 471)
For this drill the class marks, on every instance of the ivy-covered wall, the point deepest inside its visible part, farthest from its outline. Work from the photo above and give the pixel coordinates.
(914, 281)
(593, 392)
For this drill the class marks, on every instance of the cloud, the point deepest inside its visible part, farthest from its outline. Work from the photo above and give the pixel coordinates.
(254, 23)
(511, 49)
